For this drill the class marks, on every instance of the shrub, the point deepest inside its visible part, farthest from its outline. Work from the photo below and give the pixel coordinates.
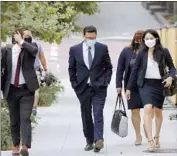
(173, 19)
(5, 130)
(47, 94)
(48, 90)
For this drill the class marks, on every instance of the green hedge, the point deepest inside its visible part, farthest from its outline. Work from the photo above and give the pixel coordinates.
(47, 95)
(173, 19)
(5, 130)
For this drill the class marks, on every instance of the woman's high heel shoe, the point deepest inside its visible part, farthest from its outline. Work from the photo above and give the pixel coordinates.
(156, 142)
(151, 147)
(138, 141)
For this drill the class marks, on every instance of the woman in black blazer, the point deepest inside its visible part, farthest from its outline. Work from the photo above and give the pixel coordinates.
(147, 73)
(125, 64)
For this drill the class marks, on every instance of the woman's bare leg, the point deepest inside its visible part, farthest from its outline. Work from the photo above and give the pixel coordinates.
(136, 121)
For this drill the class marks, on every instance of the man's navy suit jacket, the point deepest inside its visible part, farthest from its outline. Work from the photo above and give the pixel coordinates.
(100, 72)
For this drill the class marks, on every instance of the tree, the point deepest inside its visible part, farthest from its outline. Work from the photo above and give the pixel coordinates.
(49, 21)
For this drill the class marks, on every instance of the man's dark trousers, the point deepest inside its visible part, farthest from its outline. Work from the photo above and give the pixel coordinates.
(20, 102)
(92, 99)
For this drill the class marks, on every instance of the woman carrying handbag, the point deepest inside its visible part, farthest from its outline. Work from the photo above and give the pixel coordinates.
(148, 73)
(124, 68)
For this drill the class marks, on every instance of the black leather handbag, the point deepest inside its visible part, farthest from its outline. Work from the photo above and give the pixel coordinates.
(119, 124)
(172, 90)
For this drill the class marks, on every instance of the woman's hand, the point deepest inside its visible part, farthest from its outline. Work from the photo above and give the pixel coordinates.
(128, 94)
(119, 90)
(167, 82)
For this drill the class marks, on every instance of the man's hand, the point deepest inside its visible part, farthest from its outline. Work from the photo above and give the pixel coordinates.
(18, 37)
(119, 90)
(128, 94)
(44, 73)
(167, 82)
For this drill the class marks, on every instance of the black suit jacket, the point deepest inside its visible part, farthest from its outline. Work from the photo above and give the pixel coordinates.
(123, 70)
(100, 72)
(28, 56)
(139, 69)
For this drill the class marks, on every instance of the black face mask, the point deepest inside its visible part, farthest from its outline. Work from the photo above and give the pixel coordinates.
(136, 46)
(28, 39)
(13, 41)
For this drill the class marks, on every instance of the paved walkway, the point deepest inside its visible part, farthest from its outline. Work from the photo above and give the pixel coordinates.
(59, 132)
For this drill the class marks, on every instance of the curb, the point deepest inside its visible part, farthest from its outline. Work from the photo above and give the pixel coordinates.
(159, 17)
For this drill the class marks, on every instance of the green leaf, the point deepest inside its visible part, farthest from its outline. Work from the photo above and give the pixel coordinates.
(49, 21)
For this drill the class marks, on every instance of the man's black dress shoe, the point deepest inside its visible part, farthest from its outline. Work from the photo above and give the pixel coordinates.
(98, 145)
(96, 150)
(88, 147)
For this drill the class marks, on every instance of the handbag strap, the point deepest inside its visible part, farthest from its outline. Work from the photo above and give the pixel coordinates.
(164, 63)
(121, 102)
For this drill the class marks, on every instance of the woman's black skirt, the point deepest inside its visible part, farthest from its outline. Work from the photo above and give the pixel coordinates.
(135, 99)
(152, 93)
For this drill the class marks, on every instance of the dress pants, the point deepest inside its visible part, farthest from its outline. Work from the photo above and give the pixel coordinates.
(20, 103)
(89, 99)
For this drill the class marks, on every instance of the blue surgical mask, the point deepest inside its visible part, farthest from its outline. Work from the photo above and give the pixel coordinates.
(90, 43)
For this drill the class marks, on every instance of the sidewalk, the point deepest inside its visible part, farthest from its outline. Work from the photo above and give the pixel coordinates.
(59, 132)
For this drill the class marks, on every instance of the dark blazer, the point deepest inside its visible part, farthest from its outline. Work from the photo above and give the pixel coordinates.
(139, 69)
(123, 70)
(28, 56)
(100, 72)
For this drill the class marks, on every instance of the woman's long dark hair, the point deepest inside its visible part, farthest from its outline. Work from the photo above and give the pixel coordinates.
(137, 38)
(158, 48)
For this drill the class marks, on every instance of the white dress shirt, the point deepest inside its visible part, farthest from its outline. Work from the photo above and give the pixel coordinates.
(15, 53)
(85, 55)
(152, 71)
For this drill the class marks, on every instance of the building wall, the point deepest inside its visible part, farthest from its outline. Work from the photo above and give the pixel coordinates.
(169, 40)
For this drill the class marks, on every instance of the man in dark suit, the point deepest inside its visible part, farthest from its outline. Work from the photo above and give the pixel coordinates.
(19, 82)
(90, 72)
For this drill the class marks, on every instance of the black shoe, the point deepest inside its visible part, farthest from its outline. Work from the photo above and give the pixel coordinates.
(88, 147)
(98, 145)
(24, 152)
(96, 150)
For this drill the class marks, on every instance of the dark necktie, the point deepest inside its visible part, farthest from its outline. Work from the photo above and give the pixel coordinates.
(17, 73)
(89, 57)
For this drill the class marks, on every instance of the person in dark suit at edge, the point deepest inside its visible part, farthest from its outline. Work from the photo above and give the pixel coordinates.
(90, 72)
(19, 82)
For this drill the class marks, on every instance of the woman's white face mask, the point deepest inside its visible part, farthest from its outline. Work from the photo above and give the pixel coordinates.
(150, 43)
(150, 40)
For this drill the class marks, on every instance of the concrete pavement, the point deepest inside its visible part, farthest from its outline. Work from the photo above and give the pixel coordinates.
(59, 132)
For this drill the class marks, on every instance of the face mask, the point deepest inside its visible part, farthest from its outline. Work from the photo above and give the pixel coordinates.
(90, 43)
(150, 43)
(137, 46)
(28, 39)
(13, 41)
